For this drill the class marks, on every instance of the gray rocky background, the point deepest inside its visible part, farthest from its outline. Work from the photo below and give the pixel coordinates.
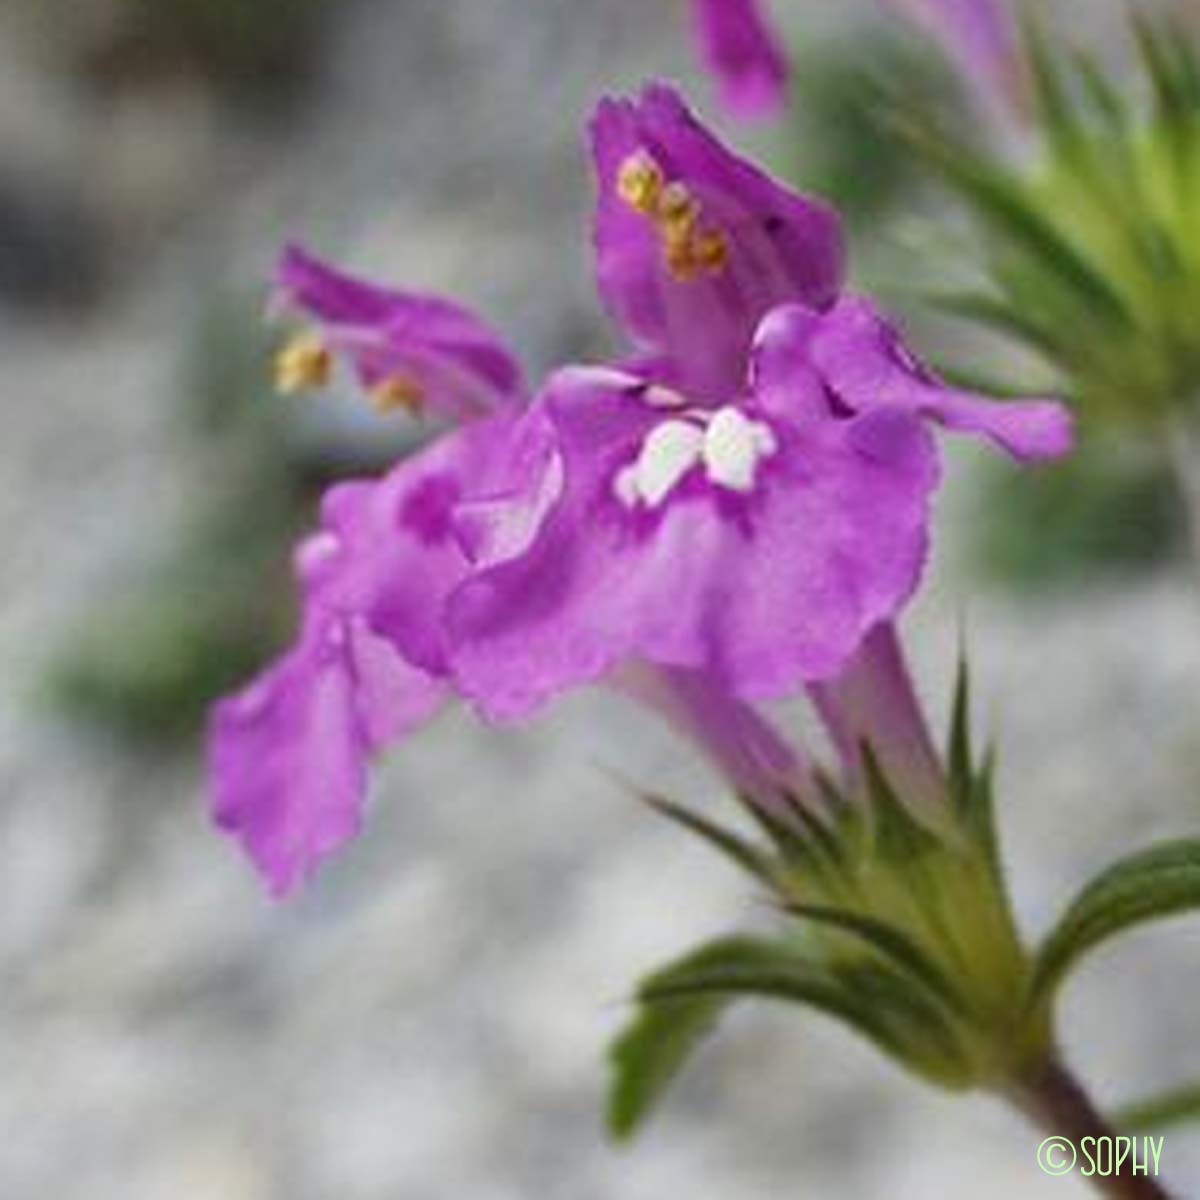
(428, 1020)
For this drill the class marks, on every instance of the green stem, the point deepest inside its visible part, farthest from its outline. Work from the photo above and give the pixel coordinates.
(1053, 1100)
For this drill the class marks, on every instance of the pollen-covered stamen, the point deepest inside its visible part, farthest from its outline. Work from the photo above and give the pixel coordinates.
(690, 248)
(640, 182)
(303, 362)
(677, 211)
(398, 391)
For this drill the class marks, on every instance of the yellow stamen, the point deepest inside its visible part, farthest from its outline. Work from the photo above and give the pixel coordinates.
(303, 362)
(677, 209)
(710, 250)
(398, 391)
(680, 257)
(688, 250)
(640, 182)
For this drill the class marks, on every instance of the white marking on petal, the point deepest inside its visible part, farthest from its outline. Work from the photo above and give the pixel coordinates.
(625, 486)
(733, 446)
(765, 440)
(658, 396)
(601, 378)
(668, 454)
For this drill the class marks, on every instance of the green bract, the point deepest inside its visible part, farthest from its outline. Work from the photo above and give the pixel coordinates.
(903, 933)
(1092, 246)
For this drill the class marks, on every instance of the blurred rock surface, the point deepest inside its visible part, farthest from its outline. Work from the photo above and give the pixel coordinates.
(428, 1020)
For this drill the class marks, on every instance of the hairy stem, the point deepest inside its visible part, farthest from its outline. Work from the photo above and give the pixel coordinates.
(1051, 1097)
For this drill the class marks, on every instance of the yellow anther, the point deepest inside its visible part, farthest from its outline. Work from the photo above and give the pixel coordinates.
(688, 250)
(710, 250)
(680, 257)
(303, 362)
(677, 210)
(640, 182)
(398, 391)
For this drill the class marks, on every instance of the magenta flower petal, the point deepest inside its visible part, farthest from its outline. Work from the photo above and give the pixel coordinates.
(865, 365)
(873, 702)
(694, 245)
(761, 582)
(394, 547)
(734, 736)
(738, 46)
(408, 348)
(288, 754)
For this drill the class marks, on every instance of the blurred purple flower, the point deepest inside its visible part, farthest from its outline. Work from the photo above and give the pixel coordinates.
(744, 54)
(740, 49)
(408, 350)
(728, 514)
(980, 38)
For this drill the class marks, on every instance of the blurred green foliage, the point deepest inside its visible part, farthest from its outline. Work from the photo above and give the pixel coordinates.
(841, 136)
(1108, 509)
(1091, 251)
(1083, 256)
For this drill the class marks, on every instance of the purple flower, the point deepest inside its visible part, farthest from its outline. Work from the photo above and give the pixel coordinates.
(980, 39)
(737, 740)
(865, 366)
(288, 754)
(749, 496)
(695, 245)
(732, 513)
(738, 46)
(872, 702)
(744, 541)
(408, 350)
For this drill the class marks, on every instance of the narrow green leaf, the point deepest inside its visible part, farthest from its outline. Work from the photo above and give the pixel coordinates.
(1059, 118)
(1179, 1106)
(1000, 316)
(958, 752)
(1106, 100)
(735, 847)
(804, 837)
(875, 1001)
(979, 807)
(651, 1051)
(671, 1022)
(894, 946)
(1170, 91)
(1000, 201)
(1159, 882)
(899, 836)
